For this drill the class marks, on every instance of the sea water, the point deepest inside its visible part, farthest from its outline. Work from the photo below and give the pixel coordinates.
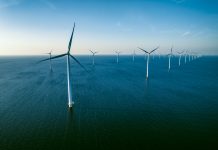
(115, 106)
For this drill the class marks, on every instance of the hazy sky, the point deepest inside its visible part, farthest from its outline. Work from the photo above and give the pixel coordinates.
(33, 27)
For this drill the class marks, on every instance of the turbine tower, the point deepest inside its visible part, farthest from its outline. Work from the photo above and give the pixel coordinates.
(153, 56)
(185, 56)
(93, 57)
(133, 56)
(69, 90)
(118, 55)
(180, 55)
(189, 57)
(170, 55)
(50, 59)
(148, 54)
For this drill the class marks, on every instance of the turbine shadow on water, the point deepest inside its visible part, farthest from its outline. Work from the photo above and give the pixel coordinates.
(70, 126)
(147, 83)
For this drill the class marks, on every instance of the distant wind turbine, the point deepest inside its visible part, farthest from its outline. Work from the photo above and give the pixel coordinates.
(195, 55)
(189, 57)
(148, 54)
(185, 56)
(133, 56)
(153, 56)
(170, 55)
(69, 90)
(180, 55)
(93, 57)
(118, 55)
(50, 59)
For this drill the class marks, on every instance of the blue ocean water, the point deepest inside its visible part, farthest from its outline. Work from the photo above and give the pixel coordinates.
(115, 106)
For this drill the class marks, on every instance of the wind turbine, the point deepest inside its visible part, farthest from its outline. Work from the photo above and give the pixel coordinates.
(50, 59)
(154, 55)
(159, 55)
(118, 55)
(189, 57)
(180, 55)
(69, 90)
(170, 55)
(133, 56)
(195, 55)
(148, 54)
(93, 57)
(185, 56)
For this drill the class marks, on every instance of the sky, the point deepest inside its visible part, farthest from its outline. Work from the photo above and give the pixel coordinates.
(35, 27)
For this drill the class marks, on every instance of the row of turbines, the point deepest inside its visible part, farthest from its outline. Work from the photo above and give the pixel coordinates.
(186, 54)
(147, 53)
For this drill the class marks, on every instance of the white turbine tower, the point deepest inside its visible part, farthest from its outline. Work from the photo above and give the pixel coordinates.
(170, 55)
(148, 54)
(133, 56)
(93, 57)
(118, 55)
(189, 57)
(180, 55)
(69, 90)
(185, 56)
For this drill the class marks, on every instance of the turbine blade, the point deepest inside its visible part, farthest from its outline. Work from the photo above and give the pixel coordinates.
(78, 63)
(70, 42)
(143, 50)
(91, 51)
(154, 50)
(180, 52)
(52, 58)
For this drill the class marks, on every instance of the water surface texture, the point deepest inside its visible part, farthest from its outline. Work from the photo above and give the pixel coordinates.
(115, 106)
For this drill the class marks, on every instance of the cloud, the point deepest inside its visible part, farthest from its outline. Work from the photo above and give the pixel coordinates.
(9, 3)
(186, 33)
(118, 24)
(49, 4)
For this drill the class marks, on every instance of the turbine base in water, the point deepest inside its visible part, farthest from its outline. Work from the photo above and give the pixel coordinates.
(70, 104)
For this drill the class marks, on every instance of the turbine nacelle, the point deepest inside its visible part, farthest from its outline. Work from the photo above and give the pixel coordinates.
(180, 52)
(93, 52)
(147, 51)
